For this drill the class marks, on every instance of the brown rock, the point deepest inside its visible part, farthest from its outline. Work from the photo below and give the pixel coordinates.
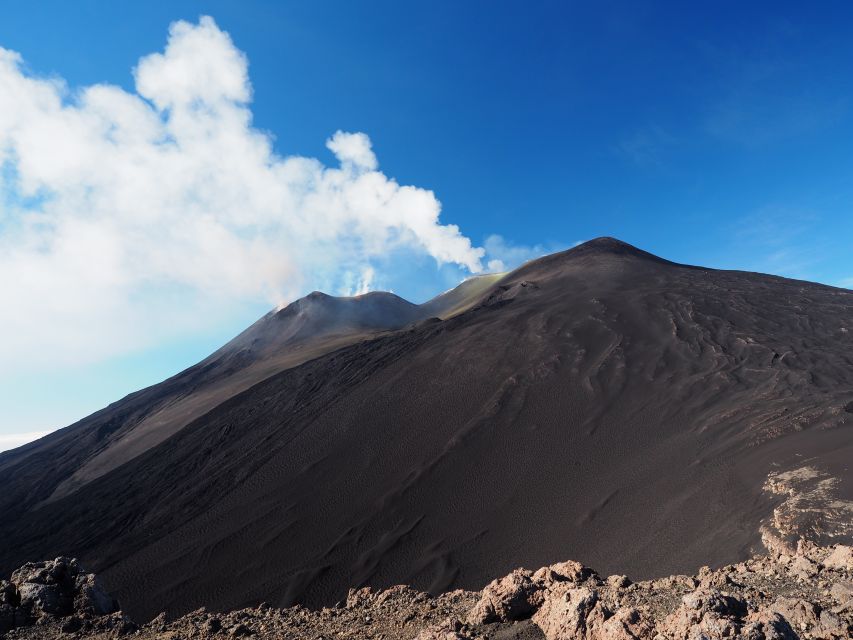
(569, 571)
(804, 568)
(618, 582)
(674, 582)
(767, 625)
(842, 593)
(158, 622)
(240, 630)
(800, 614)
(626, 624)
(513, 597)
(810, 550)
(448, 630)
(704, 612)
(359, 597)
(840, 559)
(830, 626)
(568, 613)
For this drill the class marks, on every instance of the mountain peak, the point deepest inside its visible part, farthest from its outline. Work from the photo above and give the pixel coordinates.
(597, 252)
(612, 246)
(608, 246)
(607, 243)
(317, 295)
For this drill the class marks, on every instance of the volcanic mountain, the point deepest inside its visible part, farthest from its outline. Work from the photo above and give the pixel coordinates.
(601, 404)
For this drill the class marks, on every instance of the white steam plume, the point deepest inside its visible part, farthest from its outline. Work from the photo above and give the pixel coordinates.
(131, 217)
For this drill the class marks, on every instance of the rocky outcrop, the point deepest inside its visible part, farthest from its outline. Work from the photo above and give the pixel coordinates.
(841, 559)
(569, 613)
(513, 597)
(705, 612)
(805, 593)
(54, 589)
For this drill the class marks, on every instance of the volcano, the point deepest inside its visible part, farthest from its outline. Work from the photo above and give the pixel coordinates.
(600, 403)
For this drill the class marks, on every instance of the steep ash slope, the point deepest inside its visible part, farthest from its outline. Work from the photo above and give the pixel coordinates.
(601, 404)
(62, 462)
(305, 329)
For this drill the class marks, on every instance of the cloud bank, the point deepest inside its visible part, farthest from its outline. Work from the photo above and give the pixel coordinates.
(128, 217)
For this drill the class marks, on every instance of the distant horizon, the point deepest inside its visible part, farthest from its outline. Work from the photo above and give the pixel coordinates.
(170, 173)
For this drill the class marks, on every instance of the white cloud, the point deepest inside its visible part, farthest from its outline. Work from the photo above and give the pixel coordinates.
(127, 218)
(13, 440)
(353, 150)
(200, 65)
(846, 283)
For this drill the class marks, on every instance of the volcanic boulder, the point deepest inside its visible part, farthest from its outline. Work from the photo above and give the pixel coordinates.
(51, 589)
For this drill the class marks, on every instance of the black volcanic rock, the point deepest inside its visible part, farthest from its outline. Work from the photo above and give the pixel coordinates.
(601, 404)
(52, 589)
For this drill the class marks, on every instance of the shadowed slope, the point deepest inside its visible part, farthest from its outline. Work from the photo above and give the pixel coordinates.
(601, 404)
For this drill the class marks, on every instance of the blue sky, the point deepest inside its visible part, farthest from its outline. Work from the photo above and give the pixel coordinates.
(717, 135)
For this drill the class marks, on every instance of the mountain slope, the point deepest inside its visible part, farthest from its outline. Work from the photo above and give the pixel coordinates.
(601, 404)
(303, 330)
(62, 462)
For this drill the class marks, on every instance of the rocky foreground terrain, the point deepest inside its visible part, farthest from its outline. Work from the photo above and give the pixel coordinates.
(805, 592)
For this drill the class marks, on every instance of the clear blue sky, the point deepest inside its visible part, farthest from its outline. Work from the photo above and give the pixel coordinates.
(718, 135)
